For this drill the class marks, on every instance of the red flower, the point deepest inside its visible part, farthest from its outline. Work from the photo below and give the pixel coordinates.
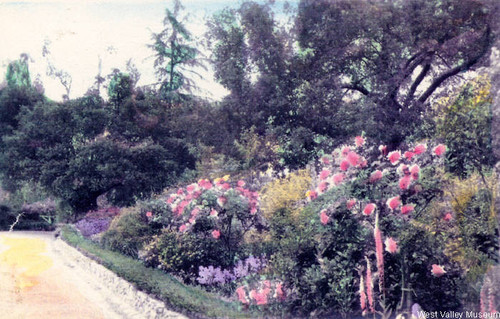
(419, 149)
(359, 140)
(324, 217)
(344, 165)
(448, 217)
(394, 157)
(369, 208)
(406, 209)
(350, 203)
(409, 155)
(437, 270)
(215, 234)
(376, 176)
(440, 149)
(393, 202)
(404, 183)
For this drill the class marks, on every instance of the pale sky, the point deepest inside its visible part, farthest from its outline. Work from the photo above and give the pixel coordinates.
(81, 31)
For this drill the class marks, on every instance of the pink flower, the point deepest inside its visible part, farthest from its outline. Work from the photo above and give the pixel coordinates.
(414, 171)
(260, 298)
(350, 203)
(279, 293)
(195, 212)
(322, 187)
(344, 165)
(180, 191)
(406, 209)
(311, 195)
(393, 202)
(213, 212)
(391, 246)
(241, 183)
(409, 155)
(404, 183)
(440, 149)
(253, 210)
(353, 158)
(325, 160)
(191, 188)
(369, 208)
(338, 178)
(183, 228)
(192, 220)
(324, 174)
(345, 150)
(362, 162)
(226, 186)
(205, 184)
(394, 157)
(369, 284)
(215, 234)
(438, 270)
(362, 294)
(221, 201)
(171, 199)
(419, 149)
(149, 214)
(448, 217)
(383, 149)
(376, 176)
(359, 140)
(379, 254)
(403, 170)
(324, 217)
(242, 295)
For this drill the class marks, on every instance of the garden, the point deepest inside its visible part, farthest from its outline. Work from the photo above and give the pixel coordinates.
(350, 172)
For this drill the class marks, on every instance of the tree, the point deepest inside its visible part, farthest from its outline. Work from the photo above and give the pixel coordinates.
(391, 56)
(175, 56)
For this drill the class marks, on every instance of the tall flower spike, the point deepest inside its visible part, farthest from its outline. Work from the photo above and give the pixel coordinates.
(369, 284)
(379, 252)
(362, 294)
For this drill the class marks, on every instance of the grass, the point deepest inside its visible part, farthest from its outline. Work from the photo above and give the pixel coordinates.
(191, 301)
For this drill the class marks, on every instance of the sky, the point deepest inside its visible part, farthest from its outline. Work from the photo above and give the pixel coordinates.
(82, 32)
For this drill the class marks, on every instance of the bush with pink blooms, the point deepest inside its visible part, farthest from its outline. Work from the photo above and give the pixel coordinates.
(386, 193)
(208, 221)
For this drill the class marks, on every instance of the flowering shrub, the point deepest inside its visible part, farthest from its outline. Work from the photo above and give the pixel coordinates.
(220, 210)
(387, 191)
(96, 222)
(216, 276)
(261, 293)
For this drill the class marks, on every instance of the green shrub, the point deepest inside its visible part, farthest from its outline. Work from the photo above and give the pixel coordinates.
(128, 232)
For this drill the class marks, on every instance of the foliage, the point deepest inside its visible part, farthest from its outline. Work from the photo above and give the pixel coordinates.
(285, 193)
(128, 232)
(465, 125)
(173, 47)
(81, 160)
(18, 74)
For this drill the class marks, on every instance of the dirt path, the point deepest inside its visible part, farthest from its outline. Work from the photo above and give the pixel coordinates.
(41, 277)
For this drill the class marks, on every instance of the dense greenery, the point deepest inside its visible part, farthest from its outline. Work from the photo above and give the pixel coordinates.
(262, 196)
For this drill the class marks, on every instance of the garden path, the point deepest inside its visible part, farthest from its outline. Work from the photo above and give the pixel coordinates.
(42, 277)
